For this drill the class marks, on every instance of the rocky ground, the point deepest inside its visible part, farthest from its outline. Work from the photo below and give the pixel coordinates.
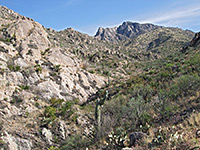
(52, 83)
(33, 71)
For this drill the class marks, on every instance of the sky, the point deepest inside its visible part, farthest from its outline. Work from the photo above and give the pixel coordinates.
(87, 16)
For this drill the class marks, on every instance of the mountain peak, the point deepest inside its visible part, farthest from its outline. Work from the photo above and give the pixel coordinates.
(107, 33)
(127, 30)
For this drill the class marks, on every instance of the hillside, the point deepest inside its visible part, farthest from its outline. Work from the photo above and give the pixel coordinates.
(34, 74)
(103, 56)
(161, 101)
(128, 30)
(65, 90)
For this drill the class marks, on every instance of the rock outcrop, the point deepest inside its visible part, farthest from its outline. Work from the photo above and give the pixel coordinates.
(41, 66)
(34, 70)
(45, 75)
(195, 43)
(128, 30)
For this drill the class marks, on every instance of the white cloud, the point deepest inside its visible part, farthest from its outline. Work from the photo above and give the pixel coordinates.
(175, 16)
(60, 6)
(70, 2)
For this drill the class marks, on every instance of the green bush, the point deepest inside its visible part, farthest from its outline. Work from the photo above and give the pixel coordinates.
(185, 85)
(14, 36)
(57, 68)
(16, 99)
(50, 112)
(8, 40)
(66, 109)
(56, 109)
(44, 52)
(125, 113)
(24, 87)
(53, 148)
(143, 91)
(76, 142)
(194, 62)
(38, 68)
(56, 102)
(14, 68)
(106, 73)
(169, 65)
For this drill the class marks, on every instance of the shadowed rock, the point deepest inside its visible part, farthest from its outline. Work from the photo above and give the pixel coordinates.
(135, 136)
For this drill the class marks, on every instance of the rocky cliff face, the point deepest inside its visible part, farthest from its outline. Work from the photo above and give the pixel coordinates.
(128, 30)
(45, 75)
(41, 65)
(195, 41)
(33, 71)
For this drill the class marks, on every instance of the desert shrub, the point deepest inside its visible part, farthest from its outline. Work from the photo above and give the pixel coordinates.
(195, 62)
(14, 67)
(46, 51)
(53, 148)
(57, 68)
(65, 110)
(106, 73)
(14, 35)
(38, 68)
(8, 40)
(50, 112)
(169, 65)
(184, 86)
(37, 105)
(127, 114)
(115, 139)
(76, 141)
(24, 87)
(16, 99)
(56, 109)
(49, 116)
(56, 102)
(144, 91)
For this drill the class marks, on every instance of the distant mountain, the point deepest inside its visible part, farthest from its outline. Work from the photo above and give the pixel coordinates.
(128, 30)
(68, 90)
(101, 55)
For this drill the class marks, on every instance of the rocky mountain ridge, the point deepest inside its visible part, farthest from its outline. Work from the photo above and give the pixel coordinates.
(33, 73)
(31, 49)
(128, 30)
(51, 81)
(100, 56)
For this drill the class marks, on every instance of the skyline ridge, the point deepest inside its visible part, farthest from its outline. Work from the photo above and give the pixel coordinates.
(86, 15)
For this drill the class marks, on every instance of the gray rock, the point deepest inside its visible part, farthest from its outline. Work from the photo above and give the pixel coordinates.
(14, 143)
(128, 30)
(48, 135)
(127, 148)
(61, 128)
(133, 137)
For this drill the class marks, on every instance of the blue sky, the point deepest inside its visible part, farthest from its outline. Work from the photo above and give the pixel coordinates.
(87, 15)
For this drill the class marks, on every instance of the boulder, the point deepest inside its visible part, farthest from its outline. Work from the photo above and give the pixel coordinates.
(48, 135)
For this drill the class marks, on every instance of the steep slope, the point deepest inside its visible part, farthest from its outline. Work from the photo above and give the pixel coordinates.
(24, 43)
(195, 43)
(127, 30)
(161, 101)
(161, 41)
(35, 74)
(117, 59)
(53, 84)
(94, 53)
